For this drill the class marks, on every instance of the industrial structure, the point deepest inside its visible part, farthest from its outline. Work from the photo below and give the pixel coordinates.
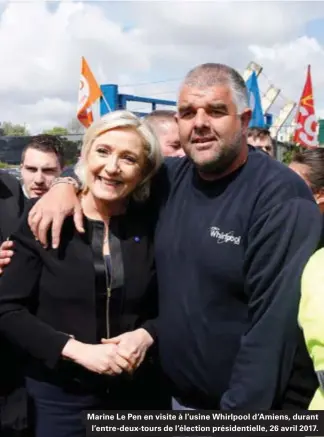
(113, 100)
(281, 131)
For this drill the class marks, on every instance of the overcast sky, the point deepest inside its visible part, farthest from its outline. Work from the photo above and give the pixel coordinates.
(147, 47)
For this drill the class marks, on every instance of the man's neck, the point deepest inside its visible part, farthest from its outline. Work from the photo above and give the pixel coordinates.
(239, 161)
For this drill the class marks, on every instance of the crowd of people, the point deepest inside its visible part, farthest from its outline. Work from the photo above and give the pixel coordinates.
(176, 266)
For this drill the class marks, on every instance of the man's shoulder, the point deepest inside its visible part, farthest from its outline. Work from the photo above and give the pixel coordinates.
(11, 195)
(173, 163)
(260, 167)
(172, 169)
(175, 166)
(275, 178)
(9, 181)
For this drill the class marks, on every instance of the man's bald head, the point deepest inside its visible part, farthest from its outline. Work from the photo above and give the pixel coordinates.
(165, 126)
(159, 116)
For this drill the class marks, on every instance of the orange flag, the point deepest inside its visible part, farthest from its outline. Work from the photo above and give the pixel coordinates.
(89, 92)
(306, 129)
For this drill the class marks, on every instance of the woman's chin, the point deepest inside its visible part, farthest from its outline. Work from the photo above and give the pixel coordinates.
(107, 195)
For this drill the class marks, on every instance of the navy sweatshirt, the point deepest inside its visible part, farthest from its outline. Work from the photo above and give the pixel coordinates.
(229, 258)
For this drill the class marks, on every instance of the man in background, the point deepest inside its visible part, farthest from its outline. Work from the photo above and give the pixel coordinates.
(41, 162)
(164, 124)
(260, 138)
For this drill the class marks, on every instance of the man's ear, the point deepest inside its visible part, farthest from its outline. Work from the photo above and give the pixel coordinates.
(245, 118)
(176, 117)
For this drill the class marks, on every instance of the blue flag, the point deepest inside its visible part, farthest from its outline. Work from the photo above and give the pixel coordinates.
(257, 119)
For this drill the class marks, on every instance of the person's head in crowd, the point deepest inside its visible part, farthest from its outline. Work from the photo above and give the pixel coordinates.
(213, 117)
(309, 165)
(41, 162)
(261, 138)
(164, 124)
(120, 154)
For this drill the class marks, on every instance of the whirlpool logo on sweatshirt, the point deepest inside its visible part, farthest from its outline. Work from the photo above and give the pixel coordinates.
(224, 237)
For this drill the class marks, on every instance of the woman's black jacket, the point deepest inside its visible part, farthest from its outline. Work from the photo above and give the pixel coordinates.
(47, 295)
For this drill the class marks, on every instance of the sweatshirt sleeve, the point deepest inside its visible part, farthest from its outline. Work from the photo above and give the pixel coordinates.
(18, 292)
(151, 327)
(280, 242)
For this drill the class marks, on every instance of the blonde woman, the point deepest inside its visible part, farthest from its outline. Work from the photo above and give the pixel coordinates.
(58, 305)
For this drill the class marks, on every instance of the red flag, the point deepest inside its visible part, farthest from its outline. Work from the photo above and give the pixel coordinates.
(306, 129)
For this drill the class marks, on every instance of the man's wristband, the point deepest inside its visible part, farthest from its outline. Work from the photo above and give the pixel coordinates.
(67, 180)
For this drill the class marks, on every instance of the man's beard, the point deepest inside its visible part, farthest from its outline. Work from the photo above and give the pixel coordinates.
(227, 155)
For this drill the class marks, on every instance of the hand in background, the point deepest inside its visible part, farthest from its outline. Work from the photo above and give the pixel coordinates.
(6, 254)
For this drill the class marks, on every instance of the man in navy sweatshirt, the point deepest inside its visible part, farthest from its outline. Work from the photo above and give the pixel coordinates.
(234, 231)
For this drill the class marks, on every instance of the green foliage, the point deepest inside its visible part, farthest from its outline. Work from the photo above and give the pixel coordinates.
(4, 165)
(15, 130)
(74, 127)
(288, 155)
(71, 150)
(56, 130)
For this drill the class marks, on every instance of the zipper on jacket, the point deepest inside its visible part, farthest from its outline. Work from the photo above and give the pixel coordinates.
(108, 286)
(107, 309)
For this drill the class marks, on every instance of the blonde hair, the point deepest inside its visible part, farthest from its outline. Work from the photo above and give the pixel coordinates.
(123, 119)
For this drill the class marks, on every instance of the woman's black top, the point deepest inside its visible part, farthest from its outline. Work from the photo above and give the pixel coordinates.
(48, 295)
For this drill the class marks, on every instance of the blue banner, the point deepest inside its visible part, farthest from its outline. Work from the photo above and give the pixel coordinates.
(257, 119)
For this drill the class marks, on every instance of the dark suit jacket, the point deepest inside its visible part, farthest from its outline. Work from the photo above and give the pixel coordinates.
(11, 208)
(12, 203)
(13, 402)
(46, 295)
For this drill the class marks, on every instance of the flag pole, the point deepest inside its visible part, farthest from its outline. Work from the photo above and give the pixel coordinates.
(106, 103)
